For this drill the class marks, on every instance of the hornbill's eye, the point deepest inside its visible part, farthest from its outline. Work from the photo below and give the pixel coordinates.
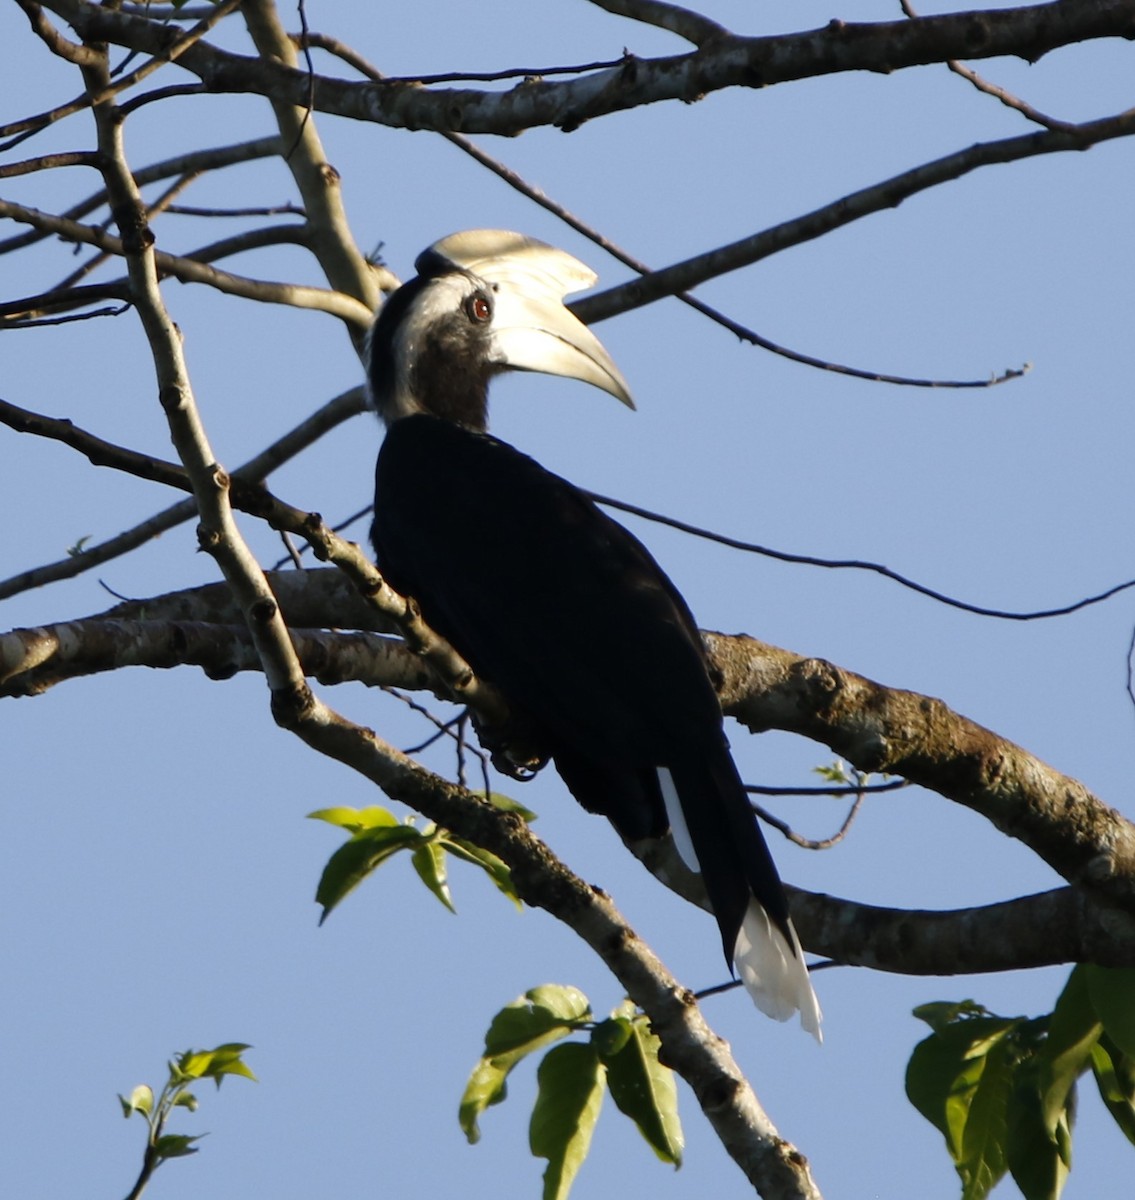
(479, 307)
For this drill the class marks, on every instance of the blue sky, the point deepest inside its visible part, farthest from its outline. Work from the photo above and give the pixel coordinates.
(156, 869)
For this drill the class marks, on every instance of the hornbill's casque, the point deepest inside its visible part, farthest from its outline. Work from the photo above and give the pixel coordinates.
(548, 598)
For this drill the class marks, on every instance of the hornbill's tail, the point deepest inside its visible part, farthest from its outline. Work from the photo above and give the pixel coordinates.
(716, 834)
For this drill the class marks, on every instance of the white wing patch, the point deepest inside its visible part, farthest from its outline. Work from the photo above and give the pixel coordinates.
(679, 830)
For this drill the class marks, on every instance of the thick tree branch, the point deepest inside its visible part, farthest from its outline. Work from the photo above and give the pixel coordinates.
(1027, 32)
(200, 628)
(889, 730)
(919, 738)
(775, 1168)
(252, 497)
(35, 660)
(1061, 926)
(873, 727)
(876, 728)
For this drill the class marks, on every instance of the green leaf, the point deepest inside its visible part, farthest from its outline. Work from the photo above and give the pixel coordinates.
(945, 1069)
(641, 1087)
(140, 1100)
(429, 862)
(356, 859)
(214, 1064)
(983, 1151)
(834, 772)
(524, 1024)
(569, 1096)
(508, 804)
(1038, 1159)
(1115, 1077)
(486, 1087)
(356, 819)
(610, 1036)
(175, 1145)
(1066, 1052)
(496, 870)
(541, 1016)
(1112, 990)
(941, 1014)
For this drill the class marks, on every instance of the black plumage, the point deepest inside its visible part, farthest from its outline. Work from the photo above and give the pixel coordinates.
(547, 597)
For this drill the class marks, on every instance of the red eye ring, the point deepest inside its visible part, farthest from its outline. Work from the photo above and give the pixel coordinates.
(479, 308)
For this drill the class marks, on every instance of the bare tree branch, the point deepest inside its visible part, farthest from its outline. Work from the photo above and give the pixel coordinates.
(193, 162)
(875, 728)
(537, 196)
(880, 729)
(875, 198)
(343, 406)
(217, 532)
(252, 497)
(176, 41)
(1066, 925)
(775, 1168)
(32, 661)
(858, 564)
(1061, 926)
(72, 52)
(48, 162)
(1027, 32)
(991, 89)
(686, 23)
(330, 236)
(346, 308)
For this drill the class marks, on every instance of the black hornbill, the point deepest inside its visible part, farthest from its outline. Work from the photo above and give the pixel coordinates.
(547, 597)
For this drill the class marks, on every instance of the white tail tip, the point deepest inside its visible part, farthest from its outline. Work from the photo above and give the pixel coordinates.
(775, 977)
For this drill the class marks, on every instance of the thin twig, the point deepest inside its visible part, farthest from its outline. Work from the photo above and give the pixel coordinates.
(450, 667)
(158, 206)
(260, 466)
(873, 789)
(40, 322)
(887, 193)
(854, 564)
(48, 162)
(692, 26)
(539, 197)
(287, 209)
(991, 89)
(453, 728)
(353, 312)
(28, 126)
(1131, 668)
(811, 843)
(195, 161)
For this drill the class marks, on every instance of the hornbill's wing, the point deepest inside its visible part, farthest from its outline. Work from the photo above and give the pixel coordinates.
(572, 619)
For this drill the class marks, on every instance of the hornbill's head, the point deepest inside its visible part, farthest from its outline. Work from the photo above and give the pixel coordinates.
(483, 301)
